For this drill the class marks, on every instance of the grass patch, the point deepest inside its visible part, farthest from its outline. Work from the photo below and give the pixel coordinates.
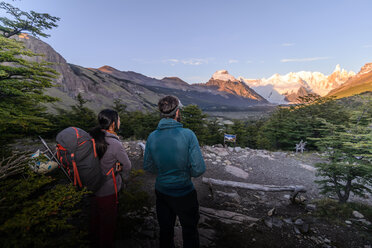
(337, 212)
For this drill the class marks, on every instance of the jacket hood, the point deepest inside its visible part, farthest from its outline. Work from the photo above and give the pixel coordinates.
(166, 123)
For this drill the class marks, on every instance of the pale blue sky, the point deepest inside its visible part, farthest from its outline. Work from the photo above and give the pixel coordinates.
(192, 39)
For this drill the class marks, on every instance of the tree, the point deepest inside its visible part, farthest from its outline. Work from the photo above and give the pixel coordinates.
(194, 119)
(348, 149)
(239, 128)
(21, 91)
(215, 132)
(135, 124)
(79, 116)
(32, 22)
(304, 121)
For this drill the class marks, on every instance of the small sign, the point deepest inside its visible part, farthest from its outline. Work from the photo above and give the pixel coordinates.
(230, 138)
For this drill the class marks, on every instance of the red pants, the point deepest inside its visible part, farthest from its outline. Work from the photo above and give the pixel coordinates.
(103, 221)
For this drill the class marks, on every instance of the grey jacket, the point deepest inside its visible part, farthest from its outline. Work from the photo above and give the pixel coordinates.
(115, 153)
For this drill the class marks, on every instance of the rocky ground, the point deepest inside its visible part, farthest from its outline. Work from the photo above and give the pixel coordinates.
(234, 217)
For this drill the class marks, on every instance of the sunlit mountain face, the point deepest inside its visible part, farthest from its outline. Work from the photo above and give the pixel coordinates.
(287, 88)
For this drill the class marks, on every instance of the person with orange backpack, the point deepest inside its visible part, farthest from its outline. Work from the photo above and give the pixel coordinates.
(113, 159)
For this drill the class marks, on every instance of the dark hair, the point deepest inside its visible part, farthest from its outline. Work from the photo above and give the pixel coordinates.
(105, 119)
(167, 105)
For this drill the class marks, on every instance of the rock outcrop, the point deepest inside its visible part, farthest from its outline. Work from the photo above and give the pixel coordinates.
(361, 82)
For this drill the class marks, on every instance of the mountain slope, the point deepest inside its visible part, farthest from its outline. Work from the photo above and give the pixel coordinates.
(224, 82)
(103, 85)
(97, 87)
(208, 97)
(362, 82)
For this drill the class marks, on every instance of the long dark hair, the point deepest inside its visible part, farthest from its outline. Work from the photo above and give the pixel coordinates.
(105, 119)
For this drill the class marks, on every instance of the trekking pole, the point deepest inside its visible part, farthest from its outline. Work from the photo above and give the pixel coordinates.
(54, 157)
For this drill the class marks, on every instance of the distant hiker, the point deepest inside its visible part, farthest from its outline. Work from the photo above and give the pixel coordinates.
(173, 153)
(113, 159)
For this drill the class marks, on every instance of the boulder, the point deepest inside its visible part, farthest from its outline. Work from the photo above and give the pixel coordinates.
(358, 215)
(237, 149)
(299, 222)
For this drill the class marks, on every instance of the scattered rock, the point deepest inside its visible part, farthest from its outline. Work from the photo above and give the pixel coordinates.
(365, 222)
(299, 222)
(221, 152)
(305, 228)
(311, 207)
(243, 157)
(296, 230)
(268, 222)
(325, 240)
(237, 149)
(227, 162)
(234, 196)
(358, 215)
(236, 171)
(271, 212)
(288, 221)
(258, 198)
(348, 222)
(277, 222)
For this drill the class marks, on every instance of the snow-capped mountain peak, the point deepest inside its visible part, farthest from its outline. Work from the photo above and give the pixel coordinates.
(224, 76)
(337, 69)
(293, 84)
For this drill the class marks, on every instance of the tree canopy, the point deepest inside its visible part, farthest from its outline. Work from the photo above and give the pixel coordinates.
(22, 21)
(21, 90)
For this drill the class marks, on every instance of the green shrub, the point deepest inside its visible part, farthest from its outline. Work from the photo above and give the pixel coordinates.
(36, 211)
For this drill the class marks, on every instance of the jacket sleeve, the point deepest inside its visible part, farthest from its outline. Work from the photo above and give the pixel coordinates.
(148, 162)
(195, 157)
(122, 156)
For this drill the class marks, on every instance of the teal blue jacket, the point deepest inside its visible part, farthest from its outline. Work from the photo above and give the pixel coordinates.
(173, 153)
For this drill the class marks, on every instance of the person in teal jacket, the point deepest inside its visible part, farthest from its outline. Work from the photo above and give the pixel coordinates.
(173, 153)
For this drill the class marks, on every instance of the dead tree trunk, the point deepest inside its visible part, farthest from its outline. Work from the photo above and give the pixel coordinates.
(295, 189)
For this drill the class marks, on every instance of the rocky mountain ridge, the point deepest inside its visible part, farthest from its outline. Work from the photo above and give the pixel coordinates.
(223, 81)
(360, 83)
(101, 86)
(295, 84)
